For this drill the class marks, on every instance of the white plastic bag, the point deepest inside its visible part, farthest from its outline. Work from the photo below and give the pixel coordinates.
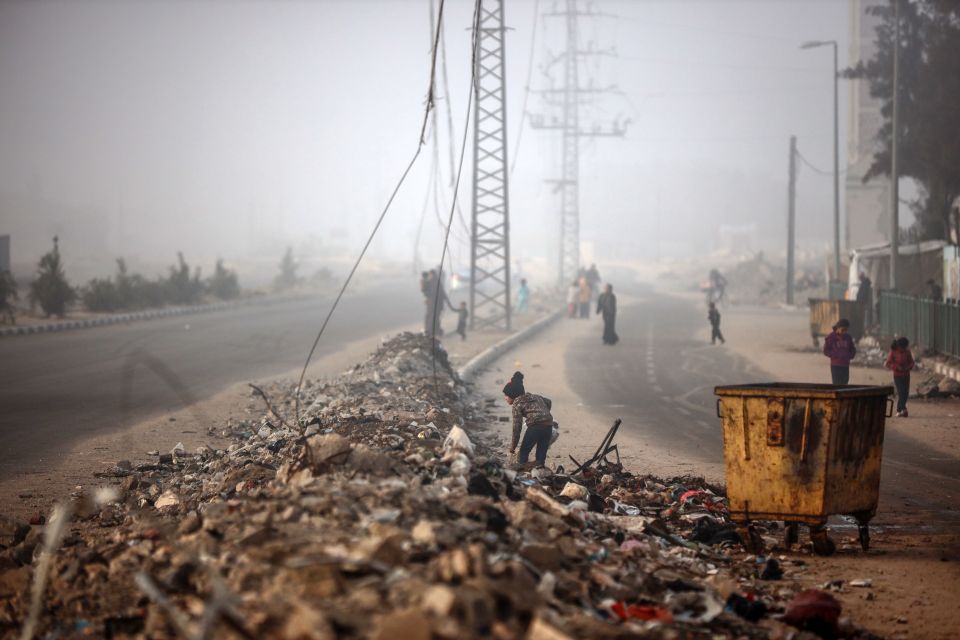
(458, 440)
(555, 434)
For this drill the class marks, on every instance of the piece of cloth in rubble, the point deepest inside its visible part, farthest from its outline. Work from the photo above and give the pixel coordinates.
(839, 348)
(607, 305)
(533, 409)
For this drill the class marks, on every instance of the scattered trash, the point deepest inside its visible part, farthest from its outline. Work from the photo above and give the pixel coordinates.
(386, 513)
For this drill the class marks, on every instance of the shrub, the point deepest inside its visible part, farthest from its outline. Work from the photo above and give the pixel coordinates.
(101, 294)
(8, 293)
(181, 288)
(51, 289)
(288, 271)
(223, 283)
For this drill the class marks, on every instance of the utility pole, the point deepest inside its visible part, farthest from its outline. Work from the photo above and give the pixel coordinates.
(895, 133)
(490, 224)
(791, 217)
(813, 44)
(571, 94)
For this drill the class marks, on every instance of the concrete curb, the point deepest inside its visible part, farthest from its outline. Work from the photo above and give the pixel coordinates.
(150, 314)
(480, 361)
(947, 370)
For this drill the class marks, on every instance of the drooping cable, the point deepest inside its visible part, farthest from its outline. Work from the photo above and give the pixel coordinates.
(423, 129)
(526, 91)
(449, 108)
(475, 42)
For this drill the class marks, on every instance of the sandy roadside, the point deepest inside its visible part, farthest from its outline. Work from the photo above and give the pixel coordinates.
(52, 479)
(198, 424)
(581, 431)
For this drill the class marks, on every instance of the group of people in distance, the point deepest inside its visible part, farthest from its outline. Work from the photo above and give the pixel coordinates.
(580, 296)
(435, 299)
(841, 349)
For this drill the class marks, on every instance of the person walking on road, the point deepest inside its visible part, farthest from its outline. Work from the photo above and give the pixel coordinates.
(900, 361)
(435, 298)
(535, 411)
(840, 349)
(573, 299)
(714, 317)
(523, 296)
(607, 305)
(585, 296)
(462, 315)
(593, 279)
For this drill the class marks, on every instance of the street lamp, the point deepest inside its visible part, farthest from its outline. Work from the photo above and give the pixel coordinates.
(813, 44)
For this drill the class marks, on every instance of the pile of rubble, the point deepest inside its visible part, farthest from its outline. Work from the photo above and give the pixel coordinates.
(758, 281)
(385, 513)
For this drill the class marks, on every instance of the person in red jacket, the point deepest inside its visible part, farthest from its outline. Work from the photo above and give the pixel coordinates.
(900, 361)
(840, 349)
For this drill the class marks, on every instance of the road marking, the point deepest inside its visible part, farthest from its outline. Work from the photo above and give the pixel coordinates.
(703, 423)
(683, 411)
(657, 388)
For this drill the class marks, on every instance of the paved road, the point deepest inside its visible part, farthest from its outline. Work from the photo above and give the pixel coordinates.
(57, 388)
(660, 379)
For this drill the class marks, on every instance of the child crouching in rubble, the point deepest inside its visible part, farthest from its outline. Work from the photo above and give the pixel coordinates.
(536, 411)
(900, 361)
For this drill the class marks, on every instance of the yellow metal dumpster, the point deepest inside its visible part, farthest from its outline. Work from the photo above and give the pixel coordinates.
(802, 452)
(826, 313)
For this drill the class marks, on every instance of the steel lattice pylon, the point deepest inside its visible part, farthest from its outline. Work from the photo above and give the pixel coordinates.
(490, 229)
(569, 183)
(570, 96)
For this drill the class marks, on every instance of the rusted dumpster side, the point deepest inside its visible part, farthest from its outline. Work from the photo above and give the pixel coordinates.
(802, 452)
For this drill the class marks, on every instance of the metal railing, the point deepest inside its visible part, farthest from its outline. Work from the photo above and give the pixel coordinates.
(930, 324)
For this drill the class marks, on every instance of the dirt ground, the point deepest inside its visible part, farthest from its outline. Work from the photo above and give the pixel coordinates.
(914, 562)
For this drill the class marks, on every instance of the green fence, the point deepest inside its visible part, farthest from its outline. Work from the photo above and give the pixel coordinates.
(934, 325)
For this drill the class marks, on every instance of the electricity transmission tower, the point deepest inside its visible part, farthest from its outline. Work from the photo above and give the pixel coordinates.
(490, 229)
(568, 98)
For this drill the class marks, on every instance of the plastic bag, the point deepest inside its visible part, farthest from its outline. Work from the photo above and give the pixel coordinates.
(458, 440)
(555, 434)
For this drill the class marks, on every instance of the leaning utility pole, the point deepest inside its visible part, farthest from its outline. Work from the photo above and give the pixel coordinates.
(490, 228)
(791, 216)
(569, 125)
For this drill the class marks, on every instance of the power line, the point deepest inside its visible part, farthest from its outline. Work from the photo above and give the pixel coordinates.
(423, 128)
(814, 168)
(526, 92)
(456, 187)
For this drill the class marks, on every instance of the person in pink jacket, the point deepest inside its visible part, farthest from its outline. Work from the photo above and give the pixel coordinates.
(840, 349)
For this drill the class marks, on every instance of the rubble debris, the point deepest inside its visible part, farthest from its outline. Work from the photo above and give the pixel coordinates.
(386, 512)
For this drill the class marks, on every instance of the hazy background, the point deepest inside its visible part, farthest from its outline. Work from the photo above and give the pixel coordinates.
(234, 129)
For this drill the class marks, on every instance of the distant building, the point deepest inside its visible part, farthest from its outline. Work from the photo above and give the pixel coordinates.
(868, 203)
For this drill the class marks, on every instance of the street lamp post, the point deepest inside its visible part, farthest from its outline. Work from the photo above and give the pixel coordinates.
(836, 151)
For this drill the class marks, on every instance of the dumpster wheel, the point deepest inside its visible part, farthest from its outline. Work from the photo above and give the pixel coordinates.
(791, 534)
(822, 544)
(752, 540)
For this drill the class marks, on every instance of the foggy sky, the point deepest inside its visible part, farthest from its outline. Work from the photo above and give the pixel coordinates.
(235, 128)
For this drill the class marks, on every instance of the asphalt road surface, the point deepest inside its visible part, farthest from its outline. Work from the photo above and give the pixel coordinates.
(660, 378)
(59, 387)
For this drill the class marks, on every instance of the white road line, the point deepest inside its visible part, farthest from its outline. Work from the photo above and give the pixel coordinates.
(657, 388)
